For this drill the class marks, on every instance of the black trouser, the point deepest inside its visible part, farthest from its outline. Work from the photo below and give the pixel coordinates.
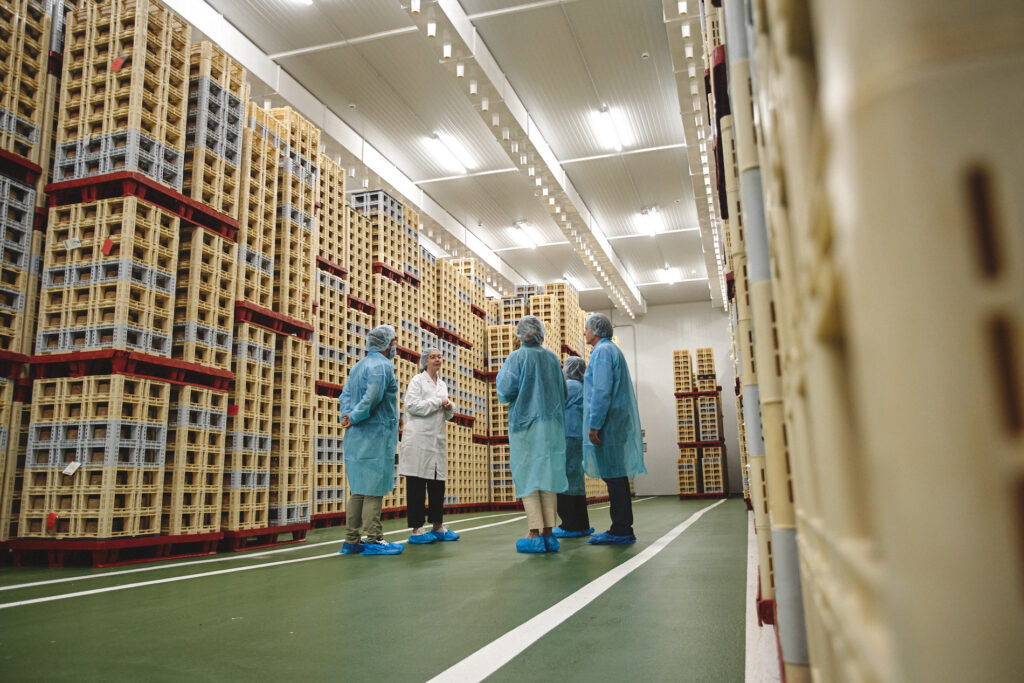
(572, 510)
(416, 491)
(621, 508)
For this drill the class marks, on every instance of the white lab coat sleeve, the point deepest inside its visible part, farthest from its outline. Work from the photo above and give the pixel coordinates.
(419, 400)
(442, 391)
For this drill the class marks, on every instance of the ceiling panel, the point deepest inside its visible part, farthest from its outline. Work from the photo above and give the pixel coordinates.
(645, 257)
(279, 25)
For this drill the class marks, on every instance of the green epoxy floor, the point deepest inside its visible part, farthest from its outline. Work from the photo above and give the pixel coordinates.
(679, 617)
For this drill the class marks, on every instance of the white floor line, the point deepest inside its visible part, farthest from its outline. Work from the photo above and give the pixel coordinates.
(638, 500)
(493, 656)
(173, 579)
(762, 660)
(193, 563)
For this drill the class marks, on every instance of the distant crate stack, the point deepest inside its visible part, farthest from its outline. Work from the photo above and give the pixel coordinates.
(702, 469)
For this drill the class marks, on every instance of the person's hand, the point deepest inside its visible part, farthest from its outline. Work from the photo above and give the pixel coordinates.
(446, 404)
(595, 438)
(345, 422)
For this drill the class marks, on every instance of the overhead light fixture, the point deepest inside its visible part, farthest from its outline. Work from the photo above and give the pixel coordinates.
(472, 86)
(304, 2)
(520, 228)
(604, 126)
(681, 6)
(689, 52)
(505, 133)
(446, 50)
(686, 31)
(650, 221)
(460, 70)
(669, 275)
(446, 149)
(485, 104)
(523, 159)
(431, 28)
(531, 171)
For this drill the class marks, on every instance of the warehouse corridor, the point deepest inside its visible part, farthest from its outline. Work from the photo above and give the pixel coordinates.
(303, 612)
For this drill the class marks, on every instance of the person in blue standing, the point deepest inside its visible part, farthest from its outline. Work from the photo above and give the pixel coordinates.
(369, 415)
(531, 382)
(572, 505)
(613, 444)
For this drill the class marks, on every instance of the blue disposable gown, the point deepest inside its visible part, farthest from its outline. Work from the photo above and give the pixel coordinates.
(531, 382)
(370, 400)
(573, 442)
(609, 406)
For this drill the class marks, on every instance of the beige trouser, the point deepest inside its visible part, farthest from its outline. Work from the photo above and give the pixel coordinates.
(540, 509)
(363, 512)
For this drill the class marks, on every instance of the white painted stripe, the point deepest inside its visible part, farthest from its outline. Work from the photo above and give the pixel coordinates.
(495, 655)
(230, 558)
(173, 579)
(638, 500)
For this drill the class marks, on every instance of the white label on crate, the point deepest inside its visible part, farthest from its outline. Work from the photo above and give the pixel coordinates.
(72, 243)
(72, 468)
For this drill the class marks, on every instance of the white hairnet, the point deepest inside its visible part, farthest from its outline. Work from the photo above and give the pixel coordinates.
(530, 330)
(574, 368)
(423, 356)
(380, 338)
(599, 324)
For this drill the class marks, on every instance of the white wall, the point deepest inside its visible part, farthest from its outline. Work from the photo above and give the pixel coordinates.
(648, 346)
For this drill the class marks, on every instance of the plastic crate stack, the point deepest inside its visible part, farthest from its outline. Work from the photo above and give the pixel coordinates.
(246, 483)
(360, 318)
(95, 459)
(568, 323)
(513, 308)
(686, 425)
(18, 269)
(428, 287)
(15, 416)
(124, 92)
(330, 338)
(702, 464)
(501, 341)
(24, 58)
(292, 443)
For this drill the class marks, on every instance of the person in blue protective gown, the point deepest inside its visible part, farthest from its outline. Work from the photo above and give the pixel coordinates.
(531, 382)
(572, 505)
(613, 443)
(369, 415)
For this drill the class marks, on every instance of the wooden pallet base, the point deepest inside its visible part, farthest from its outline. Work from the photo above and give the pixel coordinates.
(110, 552)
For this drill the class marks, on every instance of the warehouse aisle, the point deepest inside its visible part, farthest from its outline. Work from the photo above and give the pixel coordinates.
(306, 612)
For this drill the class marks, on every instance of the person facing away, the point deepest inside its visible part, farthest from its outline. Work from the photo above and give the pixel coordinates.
(572, 505)
(369, 415)
(423, 458)
(613, 443)
(531, 382)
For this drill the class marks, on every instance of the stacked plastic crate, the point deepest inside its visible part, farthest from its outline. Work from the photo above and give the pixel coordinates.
(709, 425)
(245, 490)
(24, 56)
(568, 320)
(513, 308)
(95, 451)
(15, 417)
(205, 293)
(501, 341)
(17, 211)
(292, 430)
(330, 338)
(686, 425)
(124, 92)
(359, 319)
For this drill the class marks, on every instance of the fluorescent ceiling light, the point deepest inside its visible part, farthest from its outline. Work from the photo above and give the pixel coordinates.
(604, 127)
(450, 153)
(650, 221)
(522, 234)
(669, 275)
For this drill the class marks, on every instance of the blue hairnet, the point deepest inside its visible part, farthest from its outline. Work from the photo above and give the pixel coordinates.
(574, 368)
(599, 324)
(530, 330)
(423, 356)
(380, 338)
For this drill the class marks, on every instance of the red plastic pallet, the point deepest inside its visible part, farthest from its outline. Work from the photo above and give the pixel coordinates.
(429, 327)
(570, 351)
(327, 389)
(40, 219)
(699, 444)
(246, 312)
(18, 167)
(412, 279)
(463, 420)
(380, 268)
(331, 267)
(111, 552)
(464, 343)
(478, 312)
(688, 496)
(327, 519)
(55, 64)
(133, 363)
(407, 354)
(133, 184)
(688, 394)
(485, 376)
(250, 539)
(12, 364)
(361, 305)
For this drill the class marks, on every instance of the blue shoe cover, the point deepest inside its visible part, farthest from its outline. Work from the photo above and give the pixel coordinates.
(605, 538)
(551, 543)
(352, 548)
(445, 535)
(559, 532)
(588, 532)
(424, 538)
(383, 548)
(531, 545)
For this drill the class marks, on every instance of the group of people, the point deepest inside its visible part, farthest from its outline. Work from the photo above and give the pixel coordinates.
(562, 422)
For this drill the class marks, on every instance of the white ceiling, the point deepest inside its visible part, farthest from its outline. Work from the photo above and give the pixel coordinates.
(371, 65)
